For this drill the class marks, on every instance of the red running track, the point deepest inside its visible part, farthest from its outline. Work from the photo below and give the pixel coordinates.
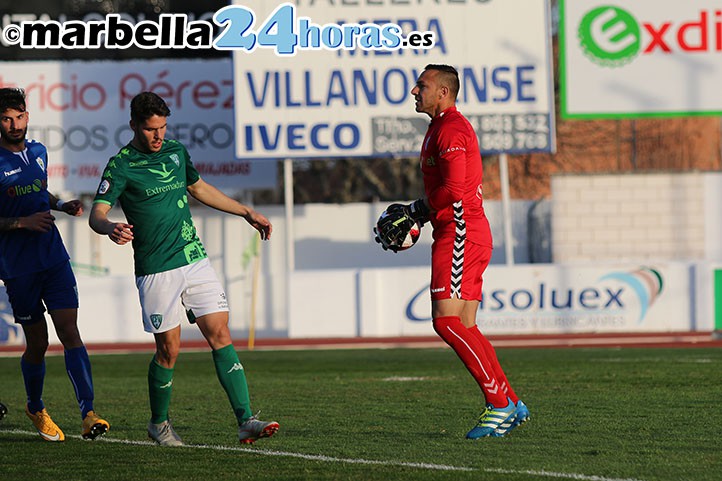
(636, 339)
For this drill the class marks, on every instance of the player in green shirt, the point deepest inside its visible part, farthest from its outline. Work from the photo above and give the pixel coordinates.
(151, 178)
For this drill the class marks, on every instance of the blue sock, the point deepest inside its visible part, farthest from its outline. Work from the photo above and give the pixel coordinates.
(34, 377)
(77, 364)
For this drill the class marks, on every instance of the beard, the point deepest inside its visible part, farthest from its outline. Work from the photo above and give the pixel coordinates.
(17, 138)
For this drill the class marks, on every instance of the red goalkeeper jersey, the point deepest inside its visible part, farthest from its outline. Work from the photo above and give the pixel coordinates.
(451, 164)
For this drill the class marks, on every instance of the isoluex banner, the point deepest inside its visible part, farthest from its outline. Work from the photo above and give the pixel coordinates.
(640, 58)
(80, 112)
(333, 79)
(537, 299)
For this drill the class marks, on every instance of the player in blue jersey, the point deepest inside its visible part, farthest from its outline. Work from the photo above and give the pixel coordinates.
(35, 268)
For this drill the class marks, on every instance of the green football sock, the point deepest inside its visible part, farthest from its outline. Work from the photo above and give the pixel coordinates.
(233, 379)
(160, 386)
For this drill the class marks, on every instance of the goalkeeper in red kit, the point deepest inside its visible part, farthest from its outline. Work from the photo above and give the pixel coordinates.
(461, 251)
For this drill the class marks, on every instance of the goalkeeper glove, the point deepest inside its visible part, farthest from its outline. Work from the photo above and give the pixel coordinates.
(417, 210)
(393, 227)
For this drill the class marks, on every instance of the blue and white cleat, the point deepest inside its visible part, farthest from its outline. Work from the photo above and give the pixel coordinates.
(492, 419)
(521, 416)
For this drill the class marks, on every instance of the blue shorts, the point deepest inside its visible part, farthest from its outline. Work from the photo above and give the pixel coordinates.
(54, 288)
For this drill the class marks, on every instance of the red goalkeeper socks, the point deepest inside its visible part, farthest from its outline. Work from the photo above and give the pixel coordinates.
(471, 352)
(490, 353)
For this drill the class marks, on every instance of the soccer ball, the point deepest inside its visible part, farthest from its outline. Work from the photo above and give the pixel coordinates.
(412, 237)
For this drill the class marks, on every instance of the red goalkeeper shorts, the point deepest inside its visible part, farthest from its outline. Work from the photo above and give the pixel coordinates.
(457, 268)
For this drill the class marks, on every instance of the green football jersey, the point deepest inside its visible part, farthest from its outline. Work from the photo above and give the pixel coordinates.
(151, 189)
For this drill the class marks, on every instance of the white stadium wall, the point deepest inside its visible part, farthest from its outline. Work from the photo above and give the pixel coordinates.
(640, 217)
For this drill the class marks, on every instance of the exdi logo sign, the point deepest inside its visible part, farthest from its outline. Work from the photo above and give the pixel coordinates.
(611, 36)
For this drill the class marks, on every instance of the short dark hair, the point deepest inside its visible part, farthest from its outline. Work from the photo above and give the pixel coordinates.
(449, 76)
(12, 98)
(147, 104)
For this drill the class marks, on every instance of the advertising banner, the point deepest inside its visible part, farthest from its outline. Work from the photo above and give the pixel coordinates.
(541, 299)
(641, 58)
(391, 302)
(80, 112)
(310, 82)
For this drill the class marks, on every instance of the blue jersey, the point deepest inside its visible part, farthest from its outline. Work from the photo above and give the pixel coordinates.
(24, 191)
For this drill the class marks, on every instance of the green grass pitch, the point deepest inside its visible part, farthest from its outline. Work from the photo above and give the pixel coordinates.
(387, 414)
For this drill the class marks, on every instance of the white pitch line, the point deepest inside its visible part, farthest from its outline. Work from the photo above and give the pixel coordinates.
(310, 457)
(320, 457)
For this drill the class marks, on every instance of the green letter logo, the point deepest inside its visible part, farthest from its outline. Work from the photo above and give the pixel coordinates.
(609, 36)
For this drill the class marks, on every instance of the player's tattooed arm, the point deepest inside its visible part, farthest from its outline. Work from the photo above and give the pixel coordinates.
(9, 223)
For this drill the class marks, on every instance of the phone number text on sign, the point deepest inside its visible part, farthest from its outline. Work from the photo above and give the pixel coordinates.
(512, 132)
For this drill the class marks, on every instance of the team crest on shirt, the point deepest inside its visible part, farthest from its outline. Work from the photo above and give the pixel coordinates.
(174, 158)
(41, 164)
(156, 320)
(430, 161)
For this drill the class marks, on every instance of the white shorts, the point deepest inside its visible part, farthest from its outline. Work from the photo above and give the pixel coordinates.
(187, 292)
